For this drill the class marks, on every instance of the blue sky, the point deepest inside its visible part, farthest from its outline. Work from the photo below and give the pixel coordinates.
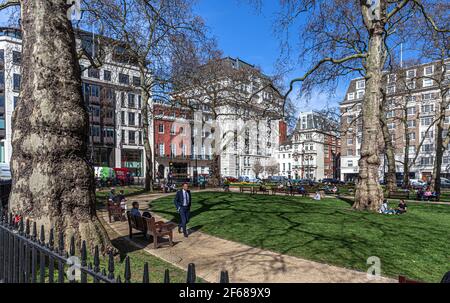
(243, 31)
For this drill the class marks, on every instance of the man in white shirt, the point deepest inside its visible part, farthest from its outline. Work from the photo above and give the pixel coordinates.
(183, 204)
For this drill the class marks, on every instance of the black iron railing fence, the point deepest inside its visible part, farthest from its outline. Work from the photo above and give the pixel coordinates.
(26, 257)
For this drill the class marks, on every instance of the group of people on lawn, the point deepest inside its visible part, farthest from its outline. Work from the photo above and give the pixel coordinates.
(426, 194)
(401, 208)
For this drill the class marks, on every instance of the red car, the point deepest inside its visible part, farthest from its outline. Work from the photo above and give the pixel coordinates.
(123, 176)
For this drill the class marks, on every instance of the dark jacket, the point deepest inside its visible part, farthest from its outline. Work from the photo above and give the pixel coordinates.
(179, 199)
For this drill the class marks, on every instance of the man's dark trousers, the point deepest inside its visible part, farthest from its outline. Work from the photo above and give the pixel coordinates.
(184, 218)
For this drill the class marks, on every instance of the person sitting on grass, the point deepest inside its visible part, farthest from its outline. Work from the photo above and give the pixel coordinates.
(384, 209)
(317, 196)
(335, 190)
(402, 208)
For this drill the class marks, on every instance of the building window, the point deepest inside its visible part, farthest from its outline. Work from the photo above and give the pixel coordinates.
(360, 94)
(161, 128)
(106, 75)
(411, 111)
(392, 78)
(124, 79)
(350, 163)
(429, 70)
(429, 108)
(122, 117)
(131, 101)
(16, 101)
(140, 137)
(173, 129)
(17, 57)
(2, 56)
(411, 136)
(426, 121)
(17, 79)
(2, 77)
(361, 84)
(350, 96)
(411, 74)
(411, 123)
(349, 152)
(390, 89)
(139, 101)
(123, 137)
(131, 119)
(428, 82)
(93, 73)
(136, 81)
(131, 137)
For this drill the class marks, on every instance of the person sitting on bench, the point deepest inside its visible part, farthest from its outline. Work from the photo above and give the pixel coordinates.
(420, 193)
(402, 208)
(317, 196)
(428, 194)
(135, 210)
(301, 190)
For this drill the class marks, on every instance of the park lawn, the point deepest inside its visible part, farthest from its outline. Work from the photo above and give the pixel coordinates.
(416, 244)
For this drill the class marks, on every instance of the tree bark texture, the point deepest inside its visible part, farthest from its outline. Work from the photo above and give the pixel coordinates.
(53, 183)
(369, 194)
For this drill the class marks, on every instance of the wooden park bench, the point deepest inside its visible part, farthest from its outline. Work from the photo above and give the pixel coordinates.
(263, 189)
(243, 189)
(149, 226)
(114, 212)
(398, 194)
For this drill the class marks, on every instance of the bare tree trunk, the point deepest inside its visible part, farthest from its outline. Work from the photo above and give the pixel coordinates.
(436, 177)
(406, 161)
(147, 144)
(53, 184)
(369, 194)
(391, 182)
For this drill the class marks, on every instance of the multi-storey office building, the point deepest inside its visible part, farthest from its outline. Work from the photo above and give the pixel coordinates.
(111, 93)
(413, 102)
(240, 107)
(312, 151)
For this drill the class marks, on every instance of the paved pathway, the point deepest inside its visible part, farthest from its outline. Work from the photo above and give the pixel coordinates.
(244, 263)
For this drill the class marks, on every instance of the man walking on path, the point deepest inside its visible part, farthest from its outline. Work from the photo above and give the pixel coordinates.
(183, 204)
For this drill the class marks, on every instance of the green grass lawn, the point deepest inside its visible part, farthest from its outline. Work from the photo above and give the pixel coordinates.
(416, 244)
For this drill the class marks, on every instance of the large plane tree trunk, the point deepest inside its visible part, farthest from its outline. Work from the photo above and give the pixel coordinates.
(369, 194)
(436, 177)
(53, 184)
(391, 182)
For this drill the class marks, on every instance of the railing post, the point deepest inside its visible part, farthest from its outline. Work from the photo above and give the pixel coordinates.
(166, 276)
(191, 277)
(146, 277)
(51, 261)
(224, 278)
(42, 256)
(96, 263)
(111, 266)
(127, 270)
(83, 262)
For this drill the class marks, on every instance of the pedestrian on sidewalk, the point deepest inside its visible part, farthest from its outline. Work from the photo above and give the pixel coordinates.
(183, 204)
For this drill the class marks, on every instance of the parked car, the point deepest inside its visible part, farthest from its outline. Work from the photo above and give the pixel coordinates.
(332, 181)
(416, 183)
(445, 183)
